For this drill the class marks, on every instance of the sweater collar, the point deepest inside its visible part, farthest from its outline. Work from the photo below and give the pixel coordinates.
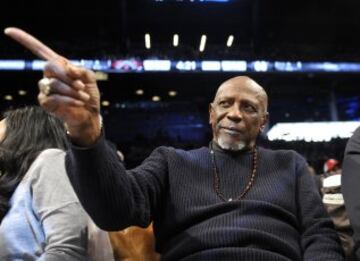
(213, 144)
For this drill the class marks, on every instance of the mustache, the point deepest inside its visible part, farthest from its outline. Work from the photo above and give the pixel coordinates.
(229, 126)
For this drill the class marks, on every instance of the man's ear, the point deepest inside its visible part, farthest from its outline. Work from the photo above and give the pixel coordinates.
(265, 120)
(211, 111)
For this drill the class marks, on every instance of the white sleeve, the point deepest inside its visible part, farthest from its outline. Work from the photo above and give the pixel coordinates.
(63, 220)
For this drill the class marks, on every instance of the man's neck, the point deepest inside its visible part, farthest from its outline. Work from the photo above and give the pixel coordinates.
(216, 147)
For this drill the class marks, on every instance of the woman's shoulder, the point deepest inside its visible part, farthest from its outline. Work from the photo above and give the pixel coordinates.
(50, 154)
(49, 158)
(49, 182)
(47, 168)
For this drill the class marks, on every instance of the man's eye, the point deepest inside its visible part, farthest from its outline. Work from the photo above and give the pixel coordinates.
(224, 103)
(249, 108)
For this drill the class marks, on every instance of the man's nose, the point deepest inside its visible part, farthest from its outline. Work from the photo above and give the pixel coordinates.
(235, 114)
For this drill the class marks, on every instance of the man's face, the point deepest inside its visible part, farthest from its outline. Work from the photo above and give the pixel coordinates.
(237, 115)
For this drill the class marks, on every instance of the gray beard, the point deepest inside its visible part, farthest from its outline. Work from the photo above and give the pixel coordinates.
(230, 146)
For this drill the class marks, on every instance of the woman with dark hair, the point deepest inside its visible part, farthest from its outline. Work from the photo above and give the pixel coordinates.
(40, 216)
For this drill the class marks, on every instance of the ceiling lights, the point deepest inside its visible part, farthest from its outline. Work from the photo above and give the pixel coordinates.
(147, 41)
(175, 40)
(202, 43)
(230, 41)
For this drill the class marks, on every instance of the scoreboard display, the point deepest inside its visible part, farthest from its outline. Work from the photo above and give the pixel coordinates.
(193, 1)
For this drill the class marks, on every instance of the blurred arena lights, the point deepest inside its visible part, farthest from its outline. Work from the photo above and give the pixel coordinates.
(22, 92)
(202, 43)
(157, 65)
(139, 92)
(172, 93)
(211, 66)
(101, 76)
(312, 131)
(134, 65)
(147, 41)
(193, 1)
(175, 40)
(230, 41)
(156, 98)
(13, 65)
(8, 97)
(105, 103)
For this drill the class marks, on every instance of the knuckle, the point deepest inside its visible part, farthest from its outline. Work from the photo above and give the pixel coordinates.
(40, 98)
(91, 74)
(46, 102)
(47, 66)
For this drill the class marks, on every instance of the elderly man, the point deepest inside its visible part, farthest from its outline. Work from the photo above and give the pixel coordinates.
(231, 200)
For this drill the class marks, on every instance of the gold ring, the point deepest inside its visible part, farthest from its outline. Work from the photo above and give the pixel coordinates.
(44, 86)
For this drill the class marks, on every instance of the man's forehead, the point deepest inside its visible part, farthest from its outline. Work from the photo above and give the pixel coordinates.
(232, 88)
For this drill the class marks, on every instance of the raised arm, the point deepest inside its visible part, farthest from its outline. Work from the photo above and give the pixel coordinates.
(114, 198)
(72, 93)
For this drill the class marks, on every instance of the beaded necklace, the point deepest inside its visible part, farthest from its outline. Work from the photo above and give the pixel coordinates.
(217, 177)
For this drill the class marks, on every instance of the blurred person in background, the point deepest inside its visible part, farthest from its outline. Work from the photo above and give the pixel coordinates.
(332, 198)
(351, 186)
(40, 214)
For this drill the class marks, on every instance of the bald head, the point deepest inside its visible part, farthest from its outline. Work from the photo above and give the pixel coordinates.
(244, 83)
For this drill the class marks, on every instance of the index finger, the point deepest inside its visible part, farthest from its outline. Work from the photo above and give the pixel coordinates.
(30, 42)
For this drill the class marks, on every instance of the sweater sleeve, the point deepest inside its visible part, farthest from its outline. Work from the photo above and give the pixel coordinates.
(63, 220)
(319, 239)
(351, 184)
(114, 197)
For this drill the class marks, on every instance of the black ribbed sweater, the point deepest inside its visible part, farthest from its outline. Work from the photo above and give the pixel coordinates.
(280, 218)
